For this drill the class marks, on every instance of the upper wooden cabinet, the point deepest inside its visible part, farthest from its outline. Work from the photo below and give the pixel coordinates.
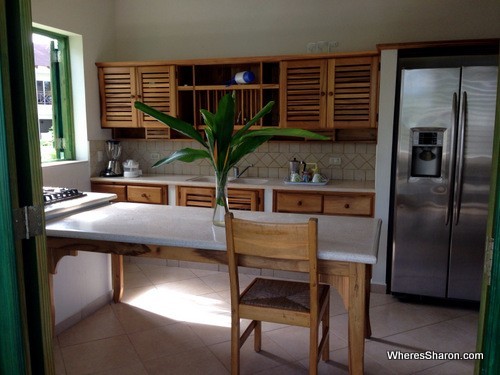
(303, 93)
(334, 93)
(201, 86)
(121, 86)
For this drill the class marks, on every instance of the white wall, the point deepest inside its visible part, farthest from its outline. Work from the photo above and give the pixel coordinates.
(159, 29)
(82, 281)
(388, 71)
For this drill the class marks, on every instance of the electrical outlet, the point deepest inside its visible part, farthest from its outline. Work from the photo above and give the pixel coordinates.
(335, 160)
(154, 156)
(100, 156)
(312, 47)
(332, 46)
(322, 46)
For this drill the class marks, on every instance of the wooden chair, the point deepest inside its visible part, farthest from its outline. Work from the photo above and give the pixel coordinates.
(305, 304)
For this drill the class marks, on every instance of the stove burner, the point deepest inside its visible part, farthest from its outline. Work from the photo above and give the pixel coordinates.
(55, 194)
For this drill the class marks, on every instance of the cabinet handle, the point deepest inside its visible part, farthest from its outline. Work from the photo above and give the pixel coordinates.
(330, 93)
(323, 93)
(346, 205)
(144, 195)
(299, 203)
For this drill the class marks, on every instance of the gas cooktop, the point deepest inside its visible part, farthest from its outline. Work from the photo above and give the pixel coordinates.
(57, 194)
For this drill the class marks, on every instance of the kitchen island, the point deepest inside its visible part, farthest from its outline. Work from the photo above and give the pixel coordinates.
(347, 248)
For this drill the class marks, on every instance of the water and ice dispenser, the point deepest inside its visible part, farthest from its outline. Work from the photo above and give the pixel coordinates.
(426, 152)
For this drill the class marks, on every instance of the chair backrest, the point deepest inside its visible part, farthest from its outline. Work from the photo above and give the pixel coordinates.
(272, 242)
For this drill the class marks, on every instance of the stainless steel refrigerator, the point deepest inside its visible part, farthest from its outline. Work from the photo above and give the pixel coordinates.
(441, 180)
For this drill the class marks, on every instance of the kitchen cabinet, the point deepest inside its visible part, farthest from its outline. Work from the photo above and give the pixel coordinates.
(239, 199)
(121, 86)
(320, 202)
(202, 84)
(336, 93)
(330, 93)
(155, 194)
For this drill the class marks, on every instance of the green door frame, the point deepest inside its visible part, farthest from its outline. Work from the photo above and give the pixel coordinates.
(488, 341)
(29, 313)
(12, 340)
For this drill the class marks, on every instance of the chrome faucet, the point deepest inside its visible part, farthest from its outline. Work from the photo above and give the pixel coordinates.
(236, 170)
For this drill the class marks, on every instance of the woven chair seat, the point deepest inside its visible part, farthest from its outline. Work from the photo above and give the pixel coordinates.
(282, 294)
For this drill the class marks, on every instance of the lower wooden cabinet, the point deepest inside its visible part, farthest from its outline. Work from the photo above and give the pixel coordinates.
(239, 199)
(320, 202)
(119, 190)
(155, 194)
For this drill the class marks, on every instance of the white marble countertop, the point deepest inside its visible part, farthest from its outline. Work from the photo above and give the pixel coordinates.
(270, 183)
(341, 238)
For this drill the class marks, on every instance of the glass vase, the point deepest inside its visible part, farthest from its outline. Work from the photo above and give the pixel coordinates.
(221, 200)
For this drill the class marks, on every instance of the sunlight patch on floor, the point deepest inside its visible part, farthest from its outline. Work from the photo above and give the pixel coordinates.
(184, 307)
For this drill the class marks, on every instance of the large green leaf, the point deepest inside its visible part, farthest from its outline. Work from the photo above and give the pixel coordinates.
(223, 149)
(264, 111)
(247, 146)
(173, 122)
(186, 155)
(209, 119)
(223, 128)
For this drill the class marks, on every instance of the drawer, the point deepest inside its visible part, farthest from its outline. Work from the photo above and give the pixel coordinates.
(355, 205)
(300, 203)
(119, 190)
(146, 194)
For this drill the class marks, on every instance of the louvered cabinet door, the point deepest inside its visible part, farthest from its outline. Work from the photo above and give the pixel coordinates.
(117, 88)
(352, 92)
(156, 89)
(303, 94)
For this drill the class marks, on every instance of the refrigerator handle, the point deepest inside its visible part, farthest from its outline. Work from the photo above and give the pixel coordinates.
(452, 159)
(460, 158)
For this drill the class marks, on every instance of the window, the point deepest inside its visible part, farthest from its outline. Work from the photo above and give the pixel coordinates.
(53, 92)
(43, 93)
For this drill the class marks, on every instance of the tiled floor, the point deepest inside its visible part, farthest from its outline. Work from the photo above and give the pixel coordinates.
(176, 321)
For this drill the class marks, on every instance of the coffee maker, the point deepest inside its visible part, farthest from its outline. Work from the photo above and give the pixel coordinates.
(114, 167)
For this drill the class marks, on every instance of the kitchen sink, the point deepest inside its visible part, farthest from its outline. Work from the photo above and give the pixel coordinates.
(203, 179)
(232, 180)
(248, 181)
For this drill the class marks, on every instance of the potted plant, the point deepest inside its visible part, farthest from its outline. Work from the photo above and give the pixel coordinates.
(222, 146)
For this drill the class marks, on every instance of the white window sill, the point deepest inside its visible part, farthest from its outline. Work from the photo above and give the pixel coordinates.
(63, 163)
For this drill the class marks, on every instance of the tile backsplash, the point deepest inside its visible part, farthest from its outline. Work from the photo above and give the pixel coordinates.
(269, 160)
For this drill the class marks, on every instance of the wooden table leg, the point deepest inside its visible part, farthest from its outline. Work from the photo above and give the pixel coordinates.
(117, 275)
(368, 327)
(357, 315)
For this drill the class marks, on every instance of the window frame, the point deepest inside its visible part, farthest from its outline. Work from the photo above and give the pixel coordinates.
(66, 107)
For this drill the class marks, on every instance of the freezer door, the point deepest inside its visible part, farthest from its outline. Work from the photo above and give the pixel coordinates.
(420, 231)
(473, 170)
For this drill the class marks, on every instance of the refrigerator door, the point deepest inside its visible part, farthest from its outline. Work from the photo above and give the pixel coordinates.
(421, 204)
(473, 169)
